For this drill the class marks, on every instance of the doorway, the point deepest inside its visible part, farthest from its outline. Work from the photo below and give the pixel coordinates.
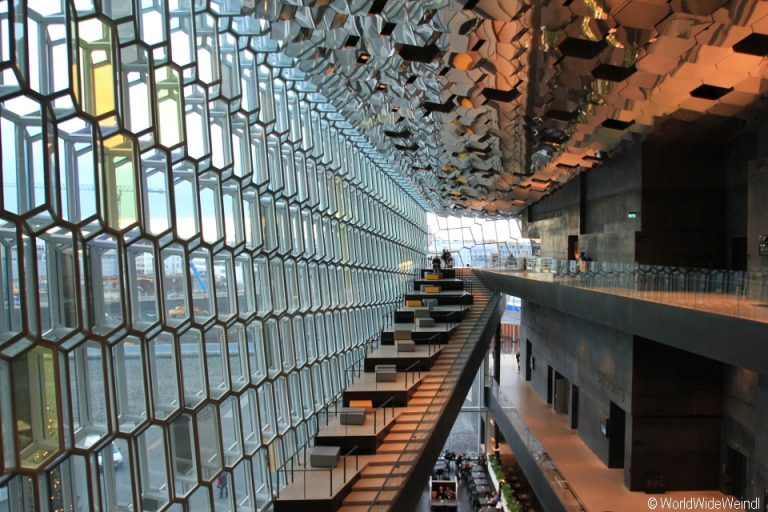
(574, 406)
(573, 247)
(735, 478)
(560, 400)
(528, 359)
(616, 427)
(550, 384)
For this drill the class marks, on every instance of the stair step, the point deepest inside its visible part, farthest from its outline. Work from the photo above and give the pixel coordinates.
(379, 482)
(354, 508)
(368, 497)
(376, 471)
(379, 479)
(395, 437)
(393, 447)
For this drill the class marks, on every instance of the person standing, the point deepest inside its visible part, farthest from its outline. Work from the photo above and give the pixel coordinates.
(223, 487)
(436, 264)
(447, 258)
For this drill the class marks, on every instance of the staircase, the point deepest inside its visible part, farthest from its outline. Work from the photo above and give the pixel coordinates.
(380, 481)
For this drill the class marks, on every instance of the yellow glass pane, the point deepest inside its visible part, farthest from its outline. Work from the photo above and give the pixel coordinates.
(104, 90)
(97, 79)
(120, 194)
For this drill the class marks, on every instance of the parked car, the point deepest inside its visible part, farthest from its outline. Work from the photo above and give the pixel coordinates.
(117, 456)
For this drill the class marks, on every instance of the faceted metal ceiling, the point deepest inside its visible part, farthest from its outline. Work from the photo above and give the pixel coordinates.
(488, 105)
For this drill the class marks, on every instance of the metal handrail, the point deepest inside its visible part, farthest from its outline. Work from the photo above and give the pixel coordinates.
(692, 287)
(413, 368)
(534, 446)
(305, 469)
(383, 406)
(431, 344)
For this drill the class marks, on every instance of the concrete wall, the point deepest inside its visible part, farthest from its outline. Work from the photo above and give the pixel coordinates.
(745, 427)
(758, 483)
(687, 377)
(595, 207)
(758, 213)
(690, 199)
(609, 193)
(596, 358)
(554, 218)
(677, 403)
(683, 188)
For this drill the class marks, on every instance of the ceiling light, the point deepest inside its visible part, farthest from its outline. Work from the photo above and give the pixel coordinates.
(462, 61)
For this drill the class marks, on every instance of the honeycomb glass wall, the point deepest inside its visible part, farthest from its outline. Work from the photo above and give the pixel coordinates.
(194, 248)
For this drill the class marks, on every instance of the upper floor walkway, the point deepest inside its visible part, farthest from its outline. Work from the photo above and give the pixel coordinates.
(719, 314)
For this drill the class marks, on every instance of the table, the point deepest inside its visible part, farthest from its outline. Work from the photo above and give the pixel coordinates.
(443, 504)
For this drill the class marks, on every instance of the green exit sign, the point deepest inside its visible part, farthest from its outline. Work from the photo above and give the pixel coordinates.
(632, 215)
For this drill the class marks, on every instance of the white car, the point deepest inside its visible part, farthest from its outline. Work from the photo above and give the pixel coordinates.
(117, 457)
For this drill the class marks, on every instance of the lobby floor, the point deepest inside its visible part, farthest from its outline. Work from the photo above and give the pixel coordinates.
(599, 488)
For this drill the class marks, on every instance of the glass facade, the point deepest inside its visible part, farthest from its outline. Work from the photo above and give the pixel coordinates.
(194, 248)
(477, 241)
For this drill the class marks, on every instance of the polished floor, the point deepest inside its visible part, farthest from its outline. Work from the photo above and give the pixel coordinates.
(735, 305)
(597, 487)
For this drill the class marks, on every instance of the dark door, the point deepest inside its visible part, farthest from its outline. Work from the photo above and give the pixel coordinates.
(736, 473)
(616, 427)
(574, 406)
(560, 400)
(528, 359)
(739, 253)
(550, 384)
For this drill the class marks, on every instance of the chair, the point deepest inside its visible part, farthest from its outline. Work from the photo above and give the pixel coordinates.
(425, 322)
(352, 415)
(324, 456)
(405, 345)
(386, 373)
(402, 334)
(361, 404)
